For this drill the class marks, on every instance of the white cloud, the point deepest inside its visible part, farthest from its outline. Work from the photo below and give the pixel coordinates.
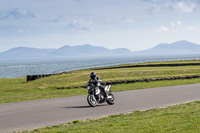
(108, 20)
(173, 24)
(56, 19)
(189, 28)
(182, 6)
(20, 13)
(16, 14)
(158, 7)
(178, 23)
(185, 7)
(128, 21)
(82, 25)
(108, 26)
(163, 29)
(24, 31)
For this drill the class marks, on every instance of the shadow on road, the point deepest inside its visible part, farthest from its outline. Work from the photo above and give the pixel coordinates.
(87, 106)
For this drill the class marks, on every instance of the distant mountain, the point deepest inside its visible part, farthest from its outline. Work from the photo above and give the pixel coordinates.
(25, 53)
(65, 51)
(122, 51)
(82, 50)
(176, 48)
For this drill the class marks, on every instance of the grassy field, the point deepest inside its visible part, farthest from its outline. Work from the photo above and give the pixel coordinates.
(177, 119)
(17, 89)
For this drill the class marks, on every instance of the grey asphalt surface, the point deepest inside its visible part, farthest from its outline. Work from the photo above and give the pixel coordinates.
(40, 113)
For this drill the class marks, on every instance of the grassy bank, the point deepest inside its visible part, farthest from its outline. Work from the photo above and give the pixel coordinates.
(17, 95)
(149, 63)
(17, 89)
(177, 119)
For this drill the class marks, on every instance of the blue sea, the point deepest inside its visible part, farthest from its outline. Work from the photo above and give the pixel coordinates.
(21, 68)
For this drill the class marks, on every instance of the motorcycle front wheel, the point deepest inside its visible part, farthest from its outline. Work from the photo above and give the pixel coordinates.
(91, 100)
(111, 99)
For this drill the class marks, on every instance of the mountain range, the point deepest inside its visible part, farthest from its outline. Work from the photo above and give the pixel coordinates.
(65, 51)
(176, 48)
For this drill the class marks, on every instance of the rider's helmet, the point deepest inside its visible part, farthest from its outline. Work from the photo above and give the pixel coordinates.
(92, 75)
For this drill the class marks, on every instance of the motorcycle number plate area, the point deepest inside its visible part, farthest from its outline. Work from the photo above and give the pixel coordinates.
(97, 90)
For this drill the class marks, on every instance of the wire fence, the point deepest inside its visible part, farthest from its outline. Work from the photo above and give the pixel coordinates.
(136, 61)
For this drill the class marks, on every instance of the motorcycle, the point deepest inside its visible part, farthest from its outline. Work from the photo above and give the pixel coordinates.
(96, 96)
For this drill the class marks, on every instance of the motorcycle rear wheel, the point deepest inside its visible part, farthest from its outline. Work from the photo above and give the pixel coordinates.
(111, 101)
(91, 100)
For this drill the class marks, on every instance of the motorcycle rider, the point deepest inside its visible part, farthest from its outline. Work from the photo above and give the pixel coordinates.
(94, 81)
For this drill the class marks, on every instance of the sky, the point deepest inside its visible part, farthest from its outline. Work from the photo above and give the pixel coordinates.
(133, 24)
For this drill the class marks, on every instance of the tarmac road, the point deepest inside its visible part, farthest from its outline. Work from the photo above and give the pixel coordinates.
(40, 113)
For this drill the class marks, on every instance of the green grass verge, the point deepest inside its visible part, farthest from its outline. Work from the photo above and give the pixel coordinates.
(17, 89)
(177, 119)
(18, 95)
